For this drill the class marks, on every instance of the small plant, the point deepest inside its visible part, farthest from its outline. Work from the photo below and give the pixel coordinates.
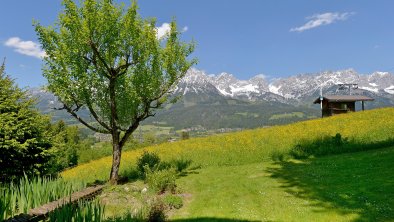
(147, 161)
(130, 174)
(173, 201)
(161, 180)
(181, 165)
(82, 211)
(156, 211)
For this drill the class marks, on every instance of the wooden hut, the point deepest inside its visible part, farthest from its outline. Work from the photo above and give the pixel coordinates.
(337, 104)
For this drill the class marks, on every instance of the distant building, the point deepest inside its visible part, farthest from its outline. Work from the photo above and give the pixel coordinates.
(337, 104)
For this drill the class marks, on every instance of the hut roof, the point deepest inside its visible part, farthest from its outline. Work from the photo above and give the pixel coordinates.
(344, 98)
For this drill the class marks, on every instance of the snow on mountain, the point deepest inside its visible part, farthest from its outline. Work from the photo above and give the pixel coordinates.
(289, 88)
(196, 81)
(224, 83)
(298, 86)
(390, 89)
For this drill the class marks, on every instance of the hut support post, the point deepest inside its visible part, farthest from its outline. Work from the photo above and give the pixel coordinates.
(362, 105)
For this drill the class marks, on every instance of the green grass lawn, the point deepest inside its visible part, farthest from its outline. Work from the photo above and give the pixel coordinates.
(348, 187)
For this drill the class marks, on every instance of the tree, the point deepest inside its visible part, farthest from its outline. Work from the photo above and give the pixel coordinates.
(24, 144)
(108, 59)
(65, 143)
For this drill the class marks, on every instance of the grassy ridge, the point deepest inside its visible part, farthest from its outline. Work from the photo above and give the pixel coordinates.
(253, 146)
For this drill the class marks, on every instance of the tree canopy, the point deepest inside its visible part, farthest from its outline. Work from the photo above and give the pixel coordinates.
(105, 57)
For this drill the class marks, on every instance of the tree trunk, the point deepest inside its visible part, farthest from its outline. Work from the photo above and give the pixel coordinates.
(116, 155)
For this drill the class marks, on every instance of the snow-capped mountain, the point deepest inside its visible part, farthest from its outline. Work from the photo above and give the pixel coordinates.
(293, 89)
(196, 82)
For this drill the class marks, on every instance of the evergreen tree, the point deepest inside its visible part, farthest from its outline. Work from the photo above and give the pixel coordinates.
(65, 140)
(24, 145)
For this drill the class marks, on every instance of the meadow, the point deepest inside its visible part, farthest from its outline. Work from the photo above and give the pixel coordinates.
(331, 169)
(252, 146)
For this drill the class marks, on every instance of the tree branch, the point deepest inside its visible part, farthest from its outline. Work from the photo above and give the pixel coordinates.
(94, 114)
(136, 122)
(124, 66)
(97, 53)
(128, 132)
(75, 115)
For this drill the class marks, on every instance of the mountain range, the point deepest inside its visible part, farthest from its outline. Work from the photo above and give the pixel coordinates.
(223, 101)
(290, 90)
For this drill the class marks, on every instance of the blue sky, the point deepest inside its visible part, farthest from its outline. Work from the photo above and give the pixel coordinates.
(245, 38)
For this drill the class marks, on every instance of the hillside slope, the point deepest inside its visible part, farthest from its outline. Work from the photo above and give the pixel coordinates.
(253, 146)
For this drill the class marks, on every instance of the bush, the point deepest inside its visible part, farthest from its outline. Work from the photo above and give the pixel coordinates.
(156, 211)
(181, 165)
(173, 201)
(130, 174)
(151, 160)
(161, 180)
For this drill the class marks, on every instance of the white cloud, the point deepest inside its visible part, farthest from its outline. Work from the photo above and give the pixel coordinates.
(322, 19)
(28, 48)
(165, 28)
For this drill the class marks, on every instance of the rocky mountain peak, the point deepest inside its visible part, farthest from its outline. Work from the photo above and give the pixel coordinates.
(291, 88)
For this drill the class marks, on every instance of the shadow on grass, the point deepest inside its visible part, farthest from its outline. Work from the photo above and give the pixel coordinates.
(210, 219)
(192, 170)
(337, 144)
(213, 219)
(359, 183)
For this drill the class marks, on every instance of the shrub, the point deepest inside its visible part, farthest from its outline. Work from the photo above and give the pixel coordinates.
(161, 180)
(181, 165)
(130, 174)
(151, 160)
(156, 211)
(173, 201)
